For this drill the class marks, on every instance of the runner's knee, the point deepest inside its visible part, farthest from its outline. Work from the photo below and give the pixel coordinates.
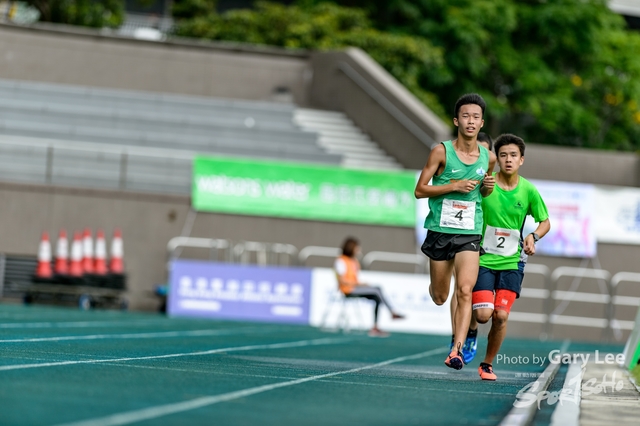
(483, 315)
(500, 317)
(482, 304)
(464, 293)
(438, 297)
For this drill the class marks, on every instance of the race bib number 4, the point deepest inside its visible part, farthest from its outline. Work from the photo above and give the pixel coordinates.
(458, 214)
(501, 241)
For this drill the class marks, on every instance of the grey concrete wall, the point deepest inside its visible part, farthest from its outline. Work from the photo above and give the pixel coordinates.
(148, 222)
(79, 56)
(334, 89)
(581, 165)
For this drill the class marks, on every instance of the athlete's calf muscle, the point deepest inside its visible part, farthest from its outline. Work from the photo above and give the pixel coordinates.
(440, 273)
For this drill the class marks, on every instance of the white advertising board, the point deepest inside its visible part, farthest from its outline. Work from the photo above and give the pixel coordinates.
(572, 219)
(617, 211)
(407, 293)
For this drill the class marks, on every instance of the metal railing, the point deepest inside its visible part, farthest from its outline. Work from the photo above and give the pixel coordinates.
(566, 297)
(536, 293)
(419, 260)
(319, 251)
(241, 252)
(245, 252)
(616, 325)
(212, 244)
(609, 324)
(266, 253)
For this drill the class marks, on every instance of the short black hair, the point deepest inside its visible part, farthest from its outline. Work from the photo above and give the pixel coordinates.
(349, 246)
(509, 139)
(469, 98)
(483, 137)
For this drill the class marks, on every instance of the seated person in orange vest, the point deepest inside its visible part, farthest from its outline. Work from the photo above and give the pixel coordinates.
(347, 268)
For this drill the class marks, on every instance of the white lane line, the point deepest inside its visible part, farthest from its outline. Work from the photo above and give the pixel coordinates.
(567, 413)
(186, 370)
(160, 334)
(522, 413)
(164, 410)
(330, 380)
(300, 343)
(83, 324)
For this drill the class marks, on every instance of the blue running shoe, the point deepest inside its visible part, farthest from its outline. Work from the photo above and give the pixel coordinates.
(470, 348)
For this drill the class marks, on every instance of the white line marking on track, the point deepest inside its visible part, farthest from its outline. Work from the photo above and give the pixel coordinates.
(521, 415)
(83, 324)
(185, 370)
(160, 334)
(299, 343)
(330, 380)
(164, 410)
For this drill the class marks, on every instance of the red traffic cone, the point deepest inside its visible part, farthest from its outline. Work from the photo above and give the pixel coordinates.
(116, 265)
(62, 254)
(100, 267)
(44, 258)
(87, 252)
(75, 267)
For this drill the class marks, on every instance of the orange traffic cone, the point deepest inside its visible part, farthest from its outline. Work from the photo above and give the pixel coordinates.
(87, 252)
(44, 258)
(116, 265)
(101, 254)
(75, 267)
(62, 254)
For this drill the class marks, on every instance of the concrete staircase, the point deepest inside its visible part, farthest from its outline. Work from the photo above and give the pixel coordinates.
(337, 134)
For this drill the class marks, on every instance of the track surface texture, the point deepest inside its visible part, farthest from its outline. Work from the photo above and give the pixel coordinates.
(65, 366)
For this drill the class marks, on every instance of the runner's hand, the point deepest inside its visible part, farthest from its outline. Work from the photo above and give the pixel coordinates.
(529, 245)
(465, 186)
(489, 181)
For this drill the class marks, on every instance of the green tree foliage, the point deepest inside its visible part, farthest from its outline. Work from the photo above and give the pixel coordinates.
(325, 27)
(189, 9)
(88, 13)
(562, 72)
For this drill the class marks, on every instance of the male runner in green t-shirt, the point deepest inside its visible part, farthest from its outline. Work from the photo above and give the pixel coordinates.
(502, 266)
(459, 170)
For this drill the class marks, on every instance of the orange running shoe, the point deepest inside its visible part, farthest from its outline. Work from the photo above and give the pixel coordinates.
(455, 360)
(486, 372)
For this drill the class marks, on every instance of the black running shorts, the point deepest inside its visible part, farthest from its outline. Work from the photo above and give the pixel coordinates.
(439, 246)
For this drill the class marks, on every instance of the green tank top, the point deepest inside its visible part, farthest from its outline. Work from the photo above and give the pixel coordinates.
(455, 212)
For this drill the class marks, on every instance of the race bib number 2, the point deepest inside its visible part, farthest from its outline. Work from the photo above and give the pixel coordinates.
(500, 241)
(458, 214)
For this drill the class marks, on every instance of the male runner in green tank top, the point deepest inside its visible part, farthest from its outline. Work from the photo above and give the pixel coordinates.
(461, 173)
(502, 266)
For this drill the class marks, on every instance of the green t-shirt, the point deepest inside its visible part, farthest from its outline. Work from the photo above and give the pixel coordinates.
(456, 212)
(504, 216)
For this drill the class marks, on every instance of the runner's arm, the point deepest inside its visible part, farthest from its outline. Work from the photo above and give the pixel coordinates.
(438, 158)
(489, 181)
(529, 244)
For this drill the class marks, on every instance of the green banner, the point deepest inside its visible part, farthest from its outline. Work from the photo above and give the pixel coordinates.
(270, 188)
